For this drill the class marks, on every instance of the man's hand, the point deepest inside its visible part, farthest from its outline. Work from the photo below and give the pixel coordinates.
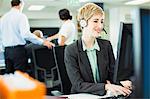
(126, 84)
(48, 44)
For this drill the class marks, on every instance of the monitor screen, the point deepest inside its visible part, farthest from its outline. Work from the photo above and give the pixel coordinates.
(49, 31)
(124, 62)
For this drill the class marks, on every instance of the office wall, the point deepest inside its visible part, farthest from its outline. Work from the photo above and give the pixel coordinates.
(117, 15)
(44, 22)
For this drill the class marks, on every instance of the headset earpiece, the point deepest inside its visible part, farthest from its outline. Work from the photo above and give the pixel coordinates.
(83, 23)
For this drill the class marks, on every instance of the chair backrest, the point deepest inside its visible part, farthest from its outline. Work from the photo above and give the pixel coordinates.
(43, 57)
(43, 60)
(59, 55)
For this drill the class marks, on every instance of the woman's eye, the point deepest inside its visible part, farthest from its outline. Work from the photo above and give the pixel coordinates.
(95, 21)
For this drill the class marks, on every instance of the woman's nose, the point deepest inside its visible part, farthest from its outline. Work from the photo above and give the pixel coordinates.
(100, 26)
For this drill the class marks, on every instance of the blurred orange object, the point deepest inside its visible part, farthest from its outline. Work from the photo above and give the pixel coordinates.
(8, 91)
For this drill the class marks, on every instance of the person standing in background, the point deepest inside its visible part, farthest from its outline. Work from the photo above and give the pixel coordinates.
(90, 60)
(67, 33)
(14, 31)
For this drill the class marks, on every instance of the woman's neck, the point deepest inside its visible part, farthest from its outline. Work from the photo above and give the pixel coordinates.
(89, 41)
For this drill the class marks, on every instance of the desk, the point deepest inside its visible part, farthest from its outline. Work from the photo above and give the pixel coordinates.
(55, 97)
(80, 96)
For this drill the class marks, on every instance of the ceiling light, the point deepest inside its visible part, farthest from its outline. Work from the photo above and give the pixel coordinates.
(136, 2)
(36, 7)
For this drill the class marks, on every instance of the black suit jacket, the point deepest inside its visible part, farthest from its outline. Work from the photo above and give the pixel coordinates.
(79, 69)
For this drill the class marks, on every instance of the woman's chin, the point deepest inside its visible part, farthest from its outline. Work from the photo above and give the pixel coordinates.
(97, 35)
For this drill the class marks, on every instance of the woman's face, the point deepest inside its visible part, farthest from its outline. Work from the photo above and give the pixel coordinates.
(95, 25)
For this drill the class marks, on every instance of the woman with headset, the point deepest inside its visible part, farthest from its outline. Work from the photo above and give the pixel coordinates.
(90, 61)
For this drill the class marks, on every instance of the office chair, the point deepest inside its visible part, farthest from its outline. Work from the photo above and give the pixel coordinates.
(45, 64)
(65, 82)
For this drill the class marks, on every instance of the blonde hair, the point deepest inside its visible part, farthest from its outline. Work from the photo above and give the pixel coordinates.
(88, 10)
(38, 33)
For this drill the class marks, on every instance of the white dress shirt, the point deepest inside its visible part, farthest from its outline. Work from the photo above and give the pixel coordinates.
(68, 30)
(15, 29)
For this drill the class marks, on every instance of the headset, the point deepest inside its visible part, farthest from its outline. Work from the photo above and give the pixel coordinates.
(105, 31)
(83, 23)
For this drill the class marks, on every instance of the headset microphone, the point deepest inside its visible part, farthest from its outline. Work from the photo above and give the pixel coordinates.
(105, 31)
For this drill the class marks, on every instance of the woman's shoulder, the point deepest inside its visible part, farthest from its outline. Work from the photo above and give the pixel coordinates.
(72, 49)
(72, 46)
(103, 41)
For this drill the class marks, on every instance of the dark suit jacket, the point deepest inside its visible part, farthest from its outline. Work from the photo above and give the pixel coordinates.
(79, 69)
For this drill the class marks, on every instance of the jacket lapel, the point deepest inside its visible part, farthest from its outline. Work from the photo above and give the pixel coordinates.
(99, 55)
(100, 61)
(84, 60)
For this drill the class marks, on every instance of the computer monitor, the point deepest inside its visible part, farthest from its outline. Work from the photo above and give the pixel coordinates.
(124, 68)
(47, 31)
